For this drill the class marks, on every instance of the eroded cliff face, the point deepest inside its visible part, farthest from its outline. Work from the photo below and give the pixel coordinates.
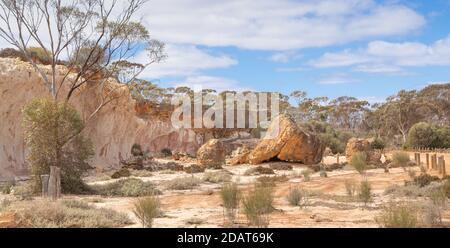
(113, 130)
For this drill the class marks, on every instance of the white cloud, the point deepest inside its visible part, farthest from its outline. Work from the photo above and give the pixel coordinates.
(381, 56)
(284, 57)
(338, 78)
(185, 60)
(276, 25)
(207, 82)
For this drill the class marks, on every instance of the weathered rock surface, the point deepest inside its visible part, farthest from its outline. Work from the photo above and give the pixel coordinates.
(8, 220)
(287, 142)
(113, 131)
(355, 145)
(240, 155)
(212, 154)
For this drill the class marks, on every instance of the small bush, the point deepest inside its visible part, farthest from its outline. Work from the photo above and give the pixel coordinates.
(5, 203)
(194, 169)
(12, 53)
(298, 197)
(270, 181)
(401, 215)
(166, 152)
(23, 191)
(121, 173)
(47, 214)
(6, 188)
(412, 190)
(424, 180)
(194, 221)
(439, 201)
(378, 144)
(183, 183)
(259, 170)
(307, 174)
(130, 187)
(146, 210)
(358, 161)
(217, 177)
(75, 204)
(257, 205)
(350, 187)
(323, 173)
(400, 159)
(136, 150)
(364, 193)
(230, 195)
(42, 54)
(281, 166)
(412, 174)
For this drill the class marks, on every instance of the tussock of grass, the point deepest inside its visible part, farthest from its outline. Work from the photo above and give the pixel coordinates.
(130, 187)
(183, 183)
(217, 176)
(146, 210)
(257, 206)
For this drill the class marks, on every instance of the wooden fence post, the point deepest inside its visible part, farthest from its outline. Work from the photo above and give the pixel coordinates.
(54, 183)
(433, 161)
(337, 158)
(44, 181)
(428, 161)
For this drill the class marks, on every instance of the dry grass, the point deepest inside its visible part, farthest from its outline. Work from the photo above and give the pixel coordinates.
(67, 214)
(146, 210)
(257, 206)
(183, 183)
(217, 176)
(130, 187)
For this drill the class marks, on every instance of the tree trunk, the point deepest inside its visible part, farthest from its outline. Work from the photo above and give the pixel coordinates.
(54, 183)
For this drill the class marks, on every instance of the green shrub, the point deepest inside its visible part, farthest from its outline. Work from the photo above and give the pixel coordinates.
(259, 170)
(136, 150)
(53, 128)
(425, 135)
(378, 144)
(166, 152)
(217, 177)
(424, 180)
(365, 191)
(230, 195)
(400, 159)
(439, 200)
(49, 214)
(257, 205)
(194, 169)
(350, 187)
(146, 210)
(23, 191)
(358, 161)
(298, 197)
(183, 183)
(307, 174)
(121, 173)
(130, 187)
(401, 215)
(12, 53)
(270, 181)
(6, 188)
(76, 204)
(42, 54)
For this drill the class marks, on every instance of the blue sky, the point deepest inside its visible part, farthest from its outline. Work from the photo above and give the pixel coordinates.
(362, 48)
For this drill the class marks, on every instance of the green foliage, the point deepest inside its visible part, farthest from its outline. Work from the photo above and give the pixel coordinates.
(130, 187)
(257, 205)
(89, 56)
(335, 139)
(350, 187)
(230, 195)
(358, 161)
(67, 214)
(424, 180)
(121, 173)
(365, 192)
(136, 150)
(42, 54)
(400, 159)
(6, 188)
(401, 215)
(183, 183)
(12, 53)
(166, 152)
(23, 191)
(52, 134)
(425, 135)
(217, 177)
(271, 180)
(298, 197)
(146, 210)
(259, 170)
(378, 144)
(307, 174)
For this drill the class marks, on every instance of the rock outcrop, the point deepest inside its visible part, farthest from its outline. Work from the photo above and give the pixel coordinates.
(355, 145)
(287, 142)
(113, 130)
(212, 154)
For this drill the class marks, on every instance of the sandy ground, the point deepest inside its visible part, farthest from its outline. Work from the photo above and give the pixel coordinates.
(328, 206)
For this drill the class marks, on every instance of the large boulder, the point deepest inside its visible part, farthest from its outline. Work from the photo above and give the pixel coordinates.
(355, 145)
(287, 142)
(212, 154)
(240, 155)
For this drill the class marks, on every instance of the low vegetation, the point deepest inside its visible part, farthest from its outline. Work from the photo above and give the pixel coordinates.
(121, 173)
(307, 175)
(358, 161)
(259, 170)
(257, 205)
(183, 183)
(230, 195)
(271, 181)
(217, 176)
(298, 197)
(146, 210)
(350, 187)
(400, 159)
(399, 215)
(67, 214)
(365, 192)
(130, 187)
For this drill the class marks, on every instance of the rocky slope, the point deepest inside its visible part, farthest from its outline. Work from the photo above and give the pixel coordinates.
(113, 131)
